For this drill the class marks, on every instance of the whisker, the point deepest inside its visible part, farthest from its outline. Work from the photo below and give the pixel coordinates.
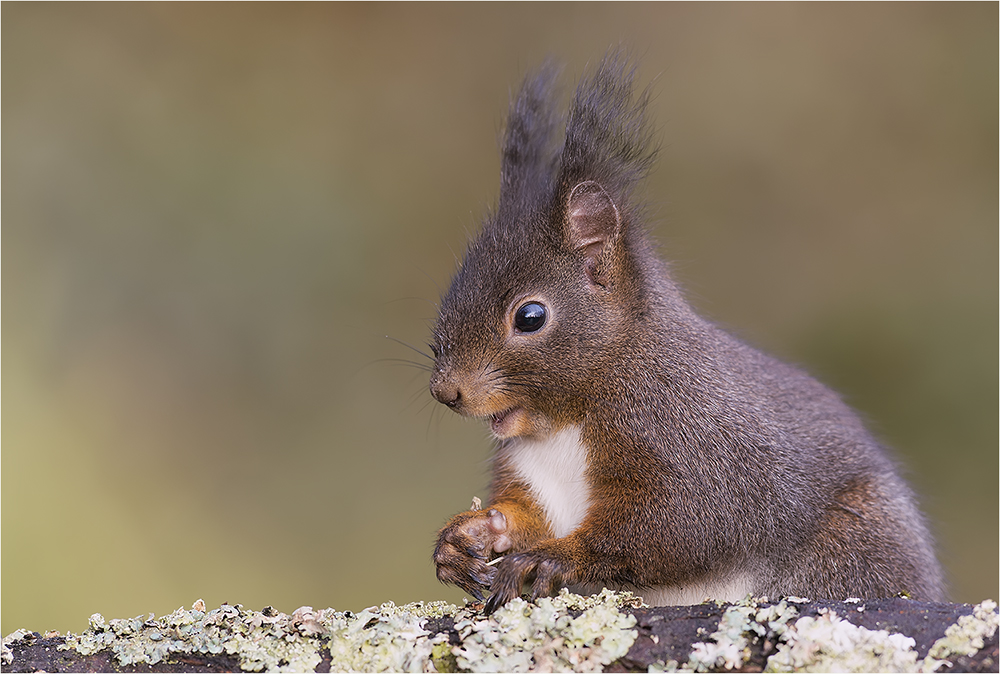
(404, 361)
(434, 419)
(432, 280)
(411, 347)
(511, 379)
(414, 398)
(496, 352)
(427, 402)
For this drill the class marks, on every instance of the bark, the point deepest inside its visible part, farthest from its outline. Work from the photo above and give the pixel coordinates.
(664, 634)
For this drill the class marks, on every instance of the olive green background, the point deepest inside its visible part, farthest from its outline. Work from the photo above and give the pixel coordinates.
(213, 215)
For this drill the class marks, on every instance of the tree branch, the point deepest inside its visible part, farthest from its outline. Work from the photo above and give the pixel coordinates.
(610, 631)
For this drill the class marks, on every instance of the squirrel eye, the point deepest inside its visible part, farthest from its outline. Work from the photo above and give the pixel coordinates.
(530, 317)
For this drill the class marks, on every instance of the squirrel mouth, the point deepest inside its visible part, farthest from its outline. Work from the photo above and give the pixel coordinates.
(502, 423)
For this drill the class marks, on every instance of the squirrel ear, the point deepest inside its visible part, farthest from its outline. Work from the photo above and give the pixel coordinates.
(593, 222)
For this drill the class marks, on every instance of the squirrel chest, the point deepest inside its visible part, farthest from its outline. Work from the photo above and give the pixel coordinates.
(555, 471)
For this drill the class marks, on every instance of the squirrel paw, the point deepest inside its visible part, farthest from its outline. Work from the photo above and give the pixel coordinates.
(464, 546)
(544, 573)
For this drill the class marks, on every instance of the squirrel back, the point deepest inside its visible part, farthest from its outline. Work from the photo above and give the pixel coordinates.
(639, 445)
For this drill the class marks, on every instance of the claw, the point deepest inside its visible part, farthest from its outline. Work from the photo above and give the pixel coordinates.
(485, 577)
(497, 600)
(492, 604)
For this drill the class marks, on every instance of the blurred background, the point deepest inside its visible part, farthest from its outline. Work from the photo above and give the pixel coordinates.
(214, 214)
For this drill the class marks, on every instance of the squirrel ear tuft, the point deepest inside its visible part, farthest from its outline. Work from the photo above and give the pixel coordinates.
(593, 222)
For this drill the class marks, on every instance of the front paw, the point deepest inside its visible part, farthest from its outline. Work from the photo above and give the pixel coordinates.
(464, 546)
(544, 572)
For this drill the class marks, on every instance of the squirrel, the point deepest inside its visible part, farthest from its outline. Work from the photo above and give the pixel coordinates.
(639, 446)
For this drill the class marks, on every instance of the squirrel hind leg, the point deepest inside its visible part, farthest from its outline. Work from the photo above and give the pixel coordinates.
(871, 543)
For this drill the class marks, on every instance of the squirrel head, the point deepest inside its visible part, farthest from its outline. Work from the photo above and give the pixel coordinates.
(554, 282)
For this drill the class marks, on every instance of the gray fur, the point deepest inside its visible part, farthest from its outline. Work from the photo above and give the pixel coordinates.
(706, 458)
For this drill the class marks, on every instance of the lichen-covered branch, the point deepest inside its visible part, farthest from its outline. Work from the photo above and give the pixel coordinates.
(606, 632)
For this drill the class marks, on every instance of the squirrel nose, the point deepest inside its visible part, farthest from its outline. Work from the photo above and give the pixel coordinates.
(445, 391)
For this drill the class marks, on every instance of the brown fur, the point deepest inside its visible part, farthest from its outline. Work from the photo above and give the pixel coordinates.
(706, 459)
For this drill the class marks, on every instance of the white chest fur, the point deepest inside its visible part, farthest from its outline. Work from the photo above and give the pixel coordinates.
(555, 470)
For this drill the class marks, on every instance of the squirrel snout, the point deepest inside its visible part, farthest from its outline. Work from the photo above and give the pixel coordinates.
(445, 391)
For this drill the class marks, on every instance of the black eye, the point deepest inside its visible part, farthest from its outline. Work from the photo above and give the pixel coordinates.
(530, 317)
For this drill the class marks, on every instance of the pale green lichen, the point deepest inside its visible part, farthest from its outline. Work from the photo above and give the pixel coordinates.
(262, 641)
(966, 636)
(386, 638)
(827, 643)
(730, 643)
(9, 640)
(568, 632)
(523, 637)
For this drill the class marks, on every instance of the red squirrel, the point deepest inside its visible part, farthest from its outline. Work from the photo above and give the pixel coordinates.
(639, 446)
